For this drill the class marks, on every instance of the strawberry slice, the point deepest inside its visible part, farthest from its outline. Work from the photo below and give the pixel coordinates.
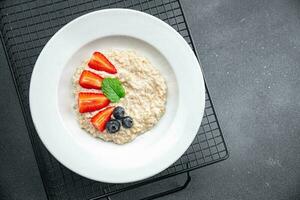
(88, 102)
(90, 80)
(102, 117)
(101, 63)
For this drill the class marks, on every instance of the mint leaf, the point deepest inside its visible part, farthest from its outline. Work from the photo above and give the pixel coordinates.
(112, 88)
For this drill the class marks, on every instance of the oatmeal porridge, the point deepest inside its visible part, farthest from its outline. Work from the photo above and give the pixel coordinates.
(144, 100)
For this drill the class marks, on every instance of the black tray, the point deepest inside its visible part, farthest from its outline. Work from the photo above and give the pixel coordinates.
(27, 25)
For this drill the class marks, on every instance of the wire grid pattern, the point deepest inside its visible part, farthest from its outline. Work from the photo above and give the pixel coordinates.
(27, 25)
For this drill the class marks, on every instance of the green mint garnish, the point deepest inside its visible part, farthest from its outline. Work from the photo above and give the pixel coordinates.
(112, 88)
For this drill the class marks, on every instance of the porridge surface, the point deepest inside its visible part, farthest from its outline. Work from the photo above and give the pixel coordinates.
(145, 98)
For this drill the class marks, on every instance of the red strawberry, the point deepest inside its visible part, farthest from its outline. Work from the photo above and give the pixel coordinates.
(102, 117)
(90, 80)
(101, 63)
(88, 102)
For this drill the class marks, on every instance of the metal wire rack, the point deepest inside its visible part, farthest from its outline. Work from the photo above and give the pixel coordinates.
(27, 25)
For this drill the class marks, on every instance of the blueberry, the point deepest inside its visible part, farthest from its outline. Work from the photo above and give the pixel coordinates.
(113, 126)
(119, 112)
(127, 122)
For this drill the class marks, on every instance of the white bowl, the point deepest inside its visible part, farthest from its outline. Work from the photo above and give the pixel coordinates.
(51, 97)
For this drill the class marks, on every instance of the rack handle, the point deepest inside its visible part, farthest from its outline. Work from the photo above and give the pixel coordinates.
(167, 192)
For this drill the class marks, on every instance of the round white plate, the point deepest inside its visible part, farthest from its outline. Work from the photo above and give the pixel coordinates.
(51, 100)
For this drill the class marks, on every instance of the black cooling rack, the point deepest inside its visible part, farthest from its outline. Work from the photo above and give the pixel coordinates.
(27, 25)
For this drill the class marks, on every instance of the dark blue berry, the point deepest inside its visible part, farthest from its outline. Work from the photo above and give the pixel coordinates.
(127, 122)
(119, 112)
(113, 126)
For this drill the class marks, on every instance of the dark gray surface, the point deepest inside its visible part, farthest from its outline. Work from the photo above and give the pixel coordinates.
(19, 175)
(250, 51)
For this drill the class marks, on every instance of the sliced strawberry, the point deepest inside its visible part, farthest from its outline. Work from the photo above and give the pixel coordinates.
(101, 63)
(102, 117)
(88, 102)
(90, 80)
